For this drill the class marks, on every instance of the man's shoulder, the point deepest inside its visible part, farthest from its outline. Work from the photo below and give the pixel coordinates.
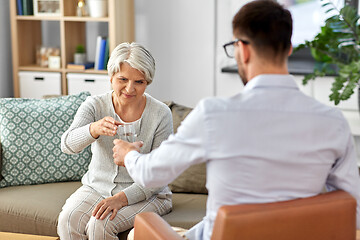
(320, 108)
(239, 101)
(217, 104)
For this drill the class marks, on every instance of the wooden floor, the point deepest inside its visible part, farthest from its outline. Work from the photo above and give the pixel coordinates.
(358, 235)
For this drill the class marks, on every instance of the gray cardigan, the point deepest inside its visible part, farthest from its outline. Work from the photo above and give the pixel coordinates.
(103, 174)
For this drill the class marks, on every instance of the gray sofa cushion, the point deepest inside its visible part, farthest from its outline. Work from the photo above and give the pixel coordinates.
(188, 210)
(34, 209)
(193, 179)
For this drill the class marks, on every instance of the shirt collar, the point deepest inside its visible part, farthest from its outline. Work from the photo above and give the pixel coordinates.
(272, 80)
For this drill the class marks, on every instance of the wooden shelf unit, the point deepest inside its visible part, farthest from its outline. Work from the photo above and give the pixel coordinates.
(26, 35)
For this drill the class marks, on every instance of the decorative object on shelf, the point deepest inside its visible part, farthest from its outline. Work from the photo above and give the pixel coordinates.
(46, 7)
(43, 53)
(80, 55)
(98, 8)
(54, 62)
(81, 9)
(337, 46)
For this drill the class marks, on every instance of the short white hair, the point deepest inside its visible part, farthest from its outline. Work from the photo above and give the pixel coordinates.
(136, 56)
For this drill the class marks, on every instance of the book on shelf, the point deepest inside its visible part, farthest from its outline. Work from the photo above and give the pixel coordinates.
(84, 66)
(101, 53)
(106, 56)
(19, 7)
(27, 7)
(97, 52)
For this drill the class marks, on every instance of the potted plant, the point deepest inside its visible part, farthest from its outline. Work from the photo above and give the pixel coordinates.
(80, 55)
(337, 49)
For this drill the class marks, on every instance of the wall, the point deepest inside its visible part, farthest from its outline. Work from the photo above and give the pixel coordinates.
(186, 39)
(226, 84)
(6, 87)
(180, 34)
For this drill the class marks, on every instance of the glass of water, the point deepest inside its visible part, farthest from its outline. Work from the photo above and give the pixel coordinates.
(127, 132)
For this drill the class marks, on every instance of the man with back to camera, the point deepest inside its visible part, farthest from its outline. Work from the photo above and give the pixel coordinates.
(269, 143)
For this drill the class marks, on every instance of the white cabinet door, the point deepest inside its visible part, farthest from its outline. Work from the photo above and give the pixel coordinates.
(39, 84)
(94, 83)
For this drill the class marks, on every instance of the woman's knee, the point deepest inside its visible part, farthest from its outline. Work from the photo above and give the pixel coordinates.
(71, 222)
(64, 218)
(63, 223)
(67, 216)
(101, 229)
(108, 227)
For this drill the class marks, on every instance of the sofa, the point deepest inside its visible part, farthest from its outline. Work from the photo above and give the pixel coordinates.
(36, 178)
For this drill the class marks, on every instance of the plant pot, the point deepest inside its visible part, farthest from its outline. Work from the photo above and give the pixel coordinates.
(79, 58)
(98, 8)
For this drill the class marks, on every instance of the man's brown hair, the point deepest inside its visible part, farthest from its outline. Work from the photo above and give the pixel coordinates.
(267, 26)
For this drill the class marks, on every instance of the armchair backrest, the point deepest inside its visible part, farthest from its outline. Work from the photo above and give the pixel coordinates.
(326, 216)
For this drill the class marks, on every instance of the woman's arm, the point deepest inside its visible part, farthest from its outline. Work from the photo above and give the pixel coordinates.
(78, 136)
(164, 130)
(84, 130)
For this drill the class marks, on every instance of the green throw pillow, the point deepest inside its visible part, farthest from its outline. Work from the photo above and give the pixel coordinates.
(30, 133)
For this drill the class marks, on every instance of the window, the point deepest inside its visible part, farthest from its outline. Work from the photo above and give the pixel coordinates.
(308, 17)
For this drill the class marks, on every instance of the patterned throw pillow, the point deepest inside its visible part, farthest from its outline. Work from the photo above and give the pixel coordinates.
(30, 133)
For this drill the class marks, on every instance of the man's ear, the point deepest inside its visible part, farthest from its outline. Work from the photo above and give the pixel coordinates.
(245, 52)
(290, 50)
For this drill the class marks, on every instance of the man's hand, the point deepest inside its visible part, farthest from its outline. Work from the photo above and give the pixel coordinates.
(111, 204)
(121, 148)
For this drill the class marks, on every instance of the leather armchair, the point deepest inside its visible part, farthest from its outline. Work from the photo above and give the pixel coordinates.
(325, 216)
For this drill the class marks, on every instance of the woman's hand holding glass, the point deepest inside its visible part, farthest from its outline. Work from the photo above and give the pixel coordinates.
(106, 126)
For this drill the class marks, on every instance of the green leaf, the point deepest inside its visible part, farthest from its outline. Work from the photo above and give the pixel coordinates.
(326, 4)
(329, 10)
(339, 41)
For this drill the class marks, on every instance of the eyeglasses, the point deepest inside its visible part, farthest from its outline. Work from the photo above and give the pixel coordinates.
(230, 47)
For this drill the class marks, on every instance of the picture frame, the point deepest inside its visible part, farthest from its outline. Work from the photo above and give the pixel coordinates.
(47, 8)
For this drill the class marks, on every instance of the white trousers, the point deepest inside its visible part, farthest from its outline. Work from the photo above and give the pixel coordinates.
(76, 221)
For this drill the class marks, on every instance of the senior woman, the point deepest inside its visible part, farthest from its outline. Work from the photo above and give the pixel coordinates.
(108, 200)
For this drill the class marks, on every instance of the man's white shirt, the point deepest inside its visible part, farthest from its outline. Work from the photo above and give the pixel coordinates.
(269, 143)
